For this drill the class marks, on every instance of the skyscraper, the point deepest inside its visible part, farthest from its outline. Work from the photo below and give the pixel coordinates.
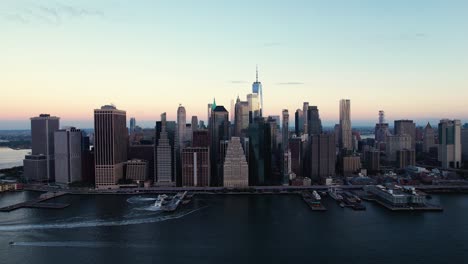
(394, 143)
(260, 152)
(236, 169)
(110, 145)
(42, 158)
(314, 124)
(196, 166)
(286, 168)
(181, 126)
(345, 136)
(254, 106)
(241, 117)
(299, 122)
(257, 89)
(164, 157)
(429, 138)
(381, 128)
(321, 156)
(194, 123)
(464, 142)
(132, 124)
(305, 112)
(450, 143)
(68, 150)
(219, 131)
(406, 127)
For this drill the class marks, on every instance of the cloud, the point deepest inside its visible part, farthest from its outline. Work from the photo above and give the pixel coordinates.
(290, 83)
(238, 82)
(54, 14)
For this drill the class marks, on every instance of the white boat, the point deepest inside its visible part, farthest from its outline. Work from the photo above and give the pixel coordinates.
(161, 200)
(316, 196)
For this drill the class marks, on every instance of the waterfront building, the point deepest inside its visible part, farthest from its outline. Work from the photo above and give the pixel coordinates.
(110, 145)
(464, 143)
(146, 153)
(397, 196)
(406, 127)
(196, 166)
(372, 161)
(137, 170)
(321, 156)
(286, 163)
(428, 139)
(164, 157)
(236, 169)
(345, 136)
(450, 143)
(43, 128)
(68, 155)
(296, 149)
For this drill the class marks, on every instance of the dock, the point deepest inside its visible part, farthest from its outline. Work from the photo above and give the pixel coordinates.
(421, 207)
(38, 203)
(313, 204)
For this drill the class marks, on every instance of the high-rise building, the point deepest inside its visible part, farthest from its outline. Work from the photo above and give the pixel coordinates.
(406, 127)
(296, 149)
(132, 124)
(450, 143)
(395, 143)
(110, 145)
(258, 89)
(236, 169)
(429, 138)
(405, 158)
(144, 153)
(137, 170)
(43, 128)
(321, 156)
(241, 117)
(188, 134)
(194, 123)
(254, 106)
(345, 136)
(68, 150)
(305, 112)
(181, 126)
(372, 161)
(464, 143)
(299, 122)
(164, 157)
(201, 138)
(381, 128)
(219, 131)
(286, 164)
(314, 124)
(196, 166)
(351, 164)
(260, 153)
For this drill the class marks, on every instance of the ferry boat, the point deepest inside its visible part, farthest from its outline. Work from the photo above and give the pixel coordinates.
(161, 201)
(316, 196)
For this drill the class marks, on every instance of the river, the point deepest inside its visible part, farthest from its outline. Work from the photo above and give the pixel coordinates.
(230, 229)
(11, 158)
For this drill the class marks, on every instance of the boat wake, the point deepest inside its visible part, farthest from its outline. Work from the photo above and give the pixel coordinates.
(97, 223)
(140, 199)
(79, 244)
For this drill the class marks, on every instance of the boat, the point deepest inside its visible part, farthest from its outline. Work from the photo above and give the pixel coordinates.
(11, 243)
(342, 205)
(161, 201)
(336, 196)
(316, 196)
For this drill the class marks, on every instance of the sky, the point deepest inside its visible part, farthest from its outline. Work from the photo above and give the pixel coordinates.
(67, 57)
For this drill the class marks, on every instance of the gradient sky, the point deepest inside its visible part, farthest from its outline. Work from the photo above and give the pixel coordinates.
(67, 57)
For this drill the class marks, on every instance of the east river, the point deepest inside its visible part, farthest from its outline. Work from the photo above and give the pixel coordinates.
(229, 229)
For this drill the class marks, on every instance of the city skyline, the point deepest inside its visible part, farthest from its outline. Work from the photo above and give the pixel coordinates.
(100, 53)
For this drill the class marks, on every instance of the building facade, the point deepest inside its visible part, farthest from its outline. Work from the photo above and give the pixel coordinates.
(450, 148)
(68, 156)
(236, 169)
(345, 136)
(196, 167)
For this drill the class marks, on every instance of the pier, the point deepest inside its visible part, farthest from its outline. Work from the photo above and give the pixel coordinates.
(38, 203)
(314, 204)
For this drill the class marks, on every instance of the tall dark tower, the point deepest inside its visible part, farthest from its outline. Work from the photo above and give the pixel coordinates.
(219, 131)
(257, 89)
